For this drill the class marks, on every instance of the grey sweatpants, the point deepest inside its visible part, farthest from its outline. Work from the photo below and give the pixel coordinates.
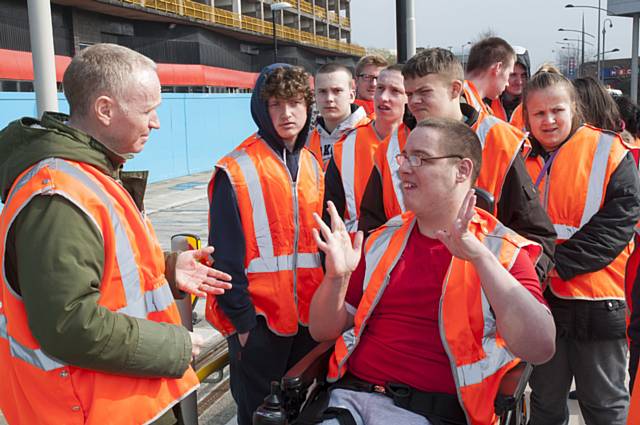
(372, 409)
(599, 369)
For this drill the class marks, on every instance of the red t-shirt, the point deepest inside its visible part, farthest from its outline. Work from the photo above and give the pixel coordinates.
(401, 342)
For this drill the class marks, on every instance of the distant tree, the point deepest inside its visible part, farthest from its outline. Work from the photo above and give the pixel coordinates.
(388, 54)
(486, 33)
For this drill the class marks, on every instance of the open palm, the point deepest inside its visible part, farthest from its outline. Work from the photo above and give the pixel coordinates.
(341, 256)
(199, 279)
(458, 239)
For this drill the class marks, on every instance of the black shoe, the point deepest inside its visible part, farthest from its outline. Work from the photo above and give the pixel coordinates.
(573, 395)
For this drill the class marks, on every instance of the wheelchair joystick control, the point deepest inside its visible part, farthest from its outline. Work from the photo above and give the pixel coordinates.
(271, 412)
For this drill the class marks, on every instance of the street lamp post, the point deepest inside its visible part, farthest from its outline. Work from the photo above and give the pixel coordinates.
(572, 52)
(604, 34)
(577, 40)
(462, 48)
(276, 7)
(582, 40)
(600, 9)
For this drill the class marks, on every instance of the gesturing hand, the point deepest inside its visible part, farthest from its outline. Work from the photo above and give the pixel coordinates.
(200, 279)
(458, 239)
(341, 257)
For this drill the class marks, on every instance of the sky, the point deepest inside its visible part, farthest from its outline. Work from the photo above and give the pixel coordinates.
(532, 24)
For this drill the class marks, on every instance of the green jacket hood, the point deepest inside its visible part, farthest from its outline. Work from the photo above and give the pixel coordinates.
(27, 141)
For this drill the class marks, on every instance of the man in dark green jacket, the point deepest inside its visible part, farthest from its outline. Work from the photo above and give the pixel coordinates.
(55, 253)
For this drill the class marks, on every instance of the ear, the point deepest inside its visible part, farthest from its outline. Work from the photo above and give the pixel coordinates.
(456, 89)
(496, 68)
(103, 108)
(352, 91)
(465, 169)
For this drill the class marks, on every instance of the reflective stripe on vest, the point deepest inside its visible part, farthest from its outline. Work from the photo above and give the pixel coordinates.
(392, 151)
(139, 305)
(595, 190)
(496, 357)
(494, 242)
(267, 261)
(471, 98)
(587, 160)
(348, 170)
(94, 397)
(36, 358)
(473, 373)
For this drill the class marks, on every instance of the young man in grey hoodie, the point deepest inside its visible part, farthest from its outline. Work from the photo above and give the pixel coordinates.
(338, 115)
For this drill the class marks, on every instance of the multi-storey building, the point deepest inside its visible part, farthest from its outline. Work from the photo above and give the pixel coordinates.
(208, 43)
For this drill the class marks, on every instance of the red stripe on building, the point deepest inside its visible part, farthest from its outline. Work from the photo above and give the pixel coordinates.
(17, 65)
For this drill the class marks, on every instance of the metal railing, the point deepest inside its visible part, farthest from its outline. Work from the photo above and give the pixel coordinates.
(229, 19)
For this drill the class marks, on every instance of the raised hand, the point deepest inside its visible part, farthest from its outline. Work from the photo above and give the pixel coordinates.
(200, 279)
(458, 239)
(341, 257)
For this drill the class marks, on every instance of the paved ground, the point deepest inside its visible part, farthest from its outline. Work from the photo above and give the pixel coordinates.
(180, 206)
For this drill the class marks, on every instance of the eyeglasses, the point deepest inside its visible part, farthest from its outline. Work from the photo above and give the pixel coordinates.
(368, 77)
(418, 160)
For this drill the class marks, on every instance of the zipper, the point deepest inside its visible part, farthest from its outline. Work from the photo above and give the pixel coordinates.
(296, 231)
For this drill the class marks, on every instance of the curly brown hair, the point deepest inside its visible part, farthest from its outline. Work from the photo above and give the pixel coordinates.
(288, 83)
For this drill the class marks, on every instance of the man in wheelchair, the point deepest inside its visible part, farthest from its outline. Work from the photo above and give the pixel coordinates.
(444, 304)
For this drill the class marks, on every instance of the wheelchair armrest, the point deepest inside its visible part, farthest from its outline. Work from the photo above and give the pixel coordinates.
(313, 365)
(485, 200)
(515, 381)
(512, 387)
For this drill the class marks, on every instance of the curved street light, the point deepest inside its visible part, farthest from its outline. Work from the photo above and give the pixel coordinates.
(582, 33)
(604, 35)
(578, 31)
(599, 9)
(609, 51)
(276, 7)
(578, 40)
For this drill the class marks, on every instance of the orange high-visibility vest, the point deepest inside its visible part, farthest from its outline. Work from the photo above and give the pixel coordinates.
(387, 166)
(498, 109)
(587, 160)
(474, 99)
(478, 354)
(501, 143)
(37, 388)
(282, 262)
(353, 156)
(516, 120)
(369, 107)
(314, 142)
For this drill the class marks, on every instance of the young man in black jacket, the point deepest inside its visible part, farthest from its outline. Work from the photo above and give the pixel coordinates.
(263, 196)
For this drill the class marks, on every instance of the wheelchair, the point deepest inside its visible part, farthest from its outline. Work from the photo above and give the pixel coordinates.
(302, 394)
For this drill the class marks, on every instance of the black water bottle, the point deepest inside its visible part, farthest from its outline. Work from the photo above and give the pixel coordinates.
(271, 412)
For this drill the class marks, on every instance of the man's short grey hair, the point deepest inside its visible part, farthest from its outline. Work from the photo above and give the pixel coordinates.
(101, 69)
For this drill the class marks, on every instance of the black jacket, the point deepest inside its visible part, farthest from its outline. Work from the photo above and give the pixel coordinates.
(225, 228)
(592, 248)
(519, 207)
(609, 231)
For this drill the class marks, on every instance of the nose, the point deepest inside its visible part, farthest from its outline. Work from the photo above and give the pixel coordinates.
(404, 166)
(287, 110)
(154, 121)
(413, 99)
